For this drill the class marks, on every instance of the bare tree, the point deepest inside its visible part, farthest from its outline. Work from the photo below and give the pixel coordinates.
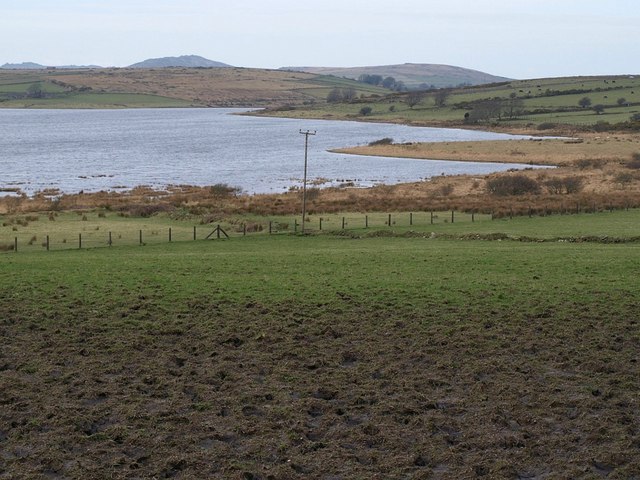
(414, 98)
(441, 96)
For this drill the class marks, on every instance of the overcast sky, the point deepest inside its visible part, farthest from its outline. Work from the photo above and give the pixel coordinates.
(512, 38)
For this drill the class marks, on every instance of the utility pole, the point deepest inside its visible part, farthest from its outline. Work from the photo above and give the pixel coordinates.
(306, 134)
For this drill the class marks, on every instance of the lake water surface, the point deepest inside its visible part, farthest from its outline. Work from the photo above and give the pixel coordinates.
(93, 150)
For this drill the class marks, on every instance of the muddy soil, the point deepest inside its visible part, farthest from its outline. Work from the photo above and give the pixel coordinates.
(332, 391)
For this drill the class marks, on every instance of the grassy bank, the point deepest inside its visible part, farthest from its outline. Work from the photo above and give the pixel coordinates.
(324, 356)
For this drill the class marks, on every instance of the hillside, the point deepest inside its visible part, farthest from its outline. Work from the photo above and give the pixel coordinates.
(187, 61)
(413, 75)
(167, 87)
(537, 103)
(37, 66)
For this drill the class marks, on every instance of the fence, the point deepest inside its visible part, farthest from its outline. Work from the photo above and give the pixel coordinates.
(29, 234)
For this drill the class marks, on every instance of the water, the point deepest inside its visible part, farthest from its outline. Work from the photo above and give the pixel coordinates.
(92, 150)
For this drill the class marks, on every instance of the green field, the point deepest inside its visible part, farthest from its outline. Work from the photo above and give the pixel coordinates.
(553, 100)
(326, 356)
(93, 229)
(97, 100)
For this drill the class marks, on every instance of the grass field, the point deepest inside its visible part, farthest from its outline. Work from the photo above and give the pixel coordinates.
(326, 356)
(552, 100)
(96, 229)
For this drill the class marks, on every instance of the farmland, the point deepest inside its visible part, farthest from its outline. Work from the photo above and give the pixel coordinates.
(375, 355)
(513, 105)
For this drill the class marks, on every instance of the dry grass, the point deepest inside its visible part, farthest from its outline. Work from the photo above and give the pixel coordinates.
(207, 86)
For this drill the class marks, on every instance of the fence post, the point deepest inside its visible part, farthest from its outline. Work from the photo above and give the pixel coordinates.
(244, 229)
(342, 223)
(431, 217)
(194, 232)
(410, 219)
(110, 242)
(169, 234)
(218, 232)
(47, 243)
(15, 244)
(320, 223)
(366, 221)
(452, 218)
(270, 225)
(389, 222)
(140, 237)
(295, 225)
(79, 240)
(511, 213)
(473, 217)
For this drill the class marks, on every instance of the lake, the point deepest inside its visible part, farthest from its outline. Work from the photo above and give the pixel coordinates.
(92, 150)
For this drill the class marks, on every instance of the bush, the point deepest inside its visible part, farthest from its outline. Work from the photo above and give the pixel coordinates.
(224, 190)
(547, 126)
(365, 110)
(635, 161)
(512, 185)
(382, 141)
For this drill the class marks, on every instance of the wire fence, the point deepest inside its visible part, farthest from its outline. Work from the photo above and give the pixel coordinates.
(24, 234)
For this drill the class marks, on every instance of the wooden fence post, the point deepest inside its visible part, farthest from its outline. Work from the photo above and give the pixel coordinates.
(79, 240)
(244, 229)
(169, 234)
(110, 242)
(366, 221)
(15, 244)
(473, 217)
(431, 217)
(452, 213)
(270, 227)
(194, 232)
(140, 237)
(410, 219)
(320, 223)
(342, 223)
(389, 222)
(47, 243)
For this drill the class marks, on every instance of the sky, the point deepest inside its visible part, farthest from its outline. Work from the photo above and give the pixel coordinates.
(510, 38)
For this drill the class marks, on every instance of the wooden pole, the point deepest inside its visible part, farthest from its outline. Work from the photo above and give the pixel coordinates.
(47, 243)
(169, 234)
(79, 240)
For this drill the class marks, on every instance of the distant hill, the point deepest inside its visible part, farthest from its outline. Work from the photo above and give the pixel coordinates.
(413, 75)
(182, 61)
(23, 66)
(37, 66)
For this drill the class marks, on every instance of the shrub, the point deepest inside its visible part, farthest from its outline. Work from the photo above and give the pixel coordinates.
(382, 141)
(547, 126)
(512, 185)
(365, 110)
(224, 190)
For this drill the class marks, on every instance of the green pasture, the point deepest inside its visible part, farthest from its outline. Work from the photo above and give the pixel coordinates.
(414, 272)
(426, 353)
(97, 100)
(96, 229)
(557, 100)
